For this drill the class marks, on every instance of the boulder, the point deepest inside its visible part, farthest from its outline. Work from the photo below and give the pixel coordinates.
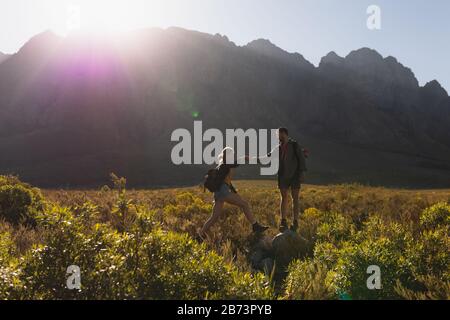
(267, 265)
(266, 252)
(260, 250)
(288, 246)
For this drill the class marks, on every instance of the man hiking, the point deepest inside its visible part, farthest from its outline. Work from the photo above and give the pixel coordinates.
(291, 171)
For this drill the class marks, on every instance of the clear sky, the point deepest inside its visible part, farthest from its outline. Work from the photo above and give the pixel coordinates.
(416, 32)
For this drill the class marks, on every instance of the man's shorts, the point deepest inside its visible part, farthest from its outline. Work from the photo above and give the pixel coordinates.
(290, 182)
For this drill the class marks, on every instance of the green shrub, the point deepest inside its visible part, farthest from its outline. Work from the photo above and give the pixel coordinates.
(430, 254)
(350, 273)
(176, 267)
(69, 242)
(376, 228)
(9, 273)
(108, 260)
(335, 227)
(326, 253)
(142, 263)
(6, 247)
(436, 216)
(310, 220)
(18, 201)
(306, 280)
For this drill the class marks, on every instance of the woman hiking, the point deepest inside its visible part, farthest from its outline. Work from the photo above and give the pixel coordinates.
(226, 193)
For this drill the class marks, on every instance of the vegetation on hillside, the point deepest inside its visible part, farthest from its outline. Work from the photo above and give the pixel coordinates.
(138, 244)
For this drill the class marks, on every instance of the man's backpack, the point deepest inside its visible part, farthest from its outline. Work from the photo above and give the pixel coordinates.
(304, 151)
(210, 181)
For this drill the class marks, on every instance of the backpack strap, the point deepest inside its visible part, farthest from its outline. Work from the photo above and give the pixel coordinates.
(296, 145)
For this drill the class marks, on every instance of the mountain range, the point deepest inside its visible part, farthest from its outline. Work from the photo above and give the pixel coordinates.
(74, 109)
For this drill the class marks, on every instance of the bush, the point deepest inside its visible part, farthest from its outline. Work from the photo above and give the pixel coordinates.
(306, 281)
(308, 224)
(176, 267)
(326, 253)
(18, 201)
(143, 263)
(349, 275)
(335, 228)
(8, 267)
(68, 242)
(402, 257)
(430, 254)
(436, 216)
(376, 228)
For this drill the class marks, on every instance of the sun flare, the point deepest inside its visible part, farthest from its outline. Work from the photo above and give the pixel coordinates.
(107, 17)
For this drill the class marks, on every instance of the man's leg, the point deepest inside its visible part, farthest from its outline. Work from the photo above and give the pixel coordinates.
(283, 208)
(295, 193)
(284, 203)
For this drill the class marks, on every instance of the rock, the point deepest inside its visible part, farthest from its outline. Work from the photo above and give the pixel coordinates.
(267, 266)
(288, 246)
(265, 253)
(265, 243)
(256, 257)
(259, 251)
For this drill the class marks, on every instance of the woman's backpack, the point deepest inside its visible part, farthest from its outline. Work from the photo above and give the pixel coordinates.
(210, 181)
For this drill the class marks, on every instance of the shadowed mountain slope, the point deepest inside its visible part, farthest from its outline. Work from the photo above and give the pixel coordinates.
(74, 109)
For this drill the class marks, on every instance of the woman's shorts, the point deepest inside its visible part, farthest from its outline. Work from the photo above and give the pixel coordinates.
(223, 191)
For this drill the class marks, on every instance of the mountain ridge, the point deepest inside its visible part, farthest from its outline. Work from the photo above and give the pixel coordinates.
(51, 36)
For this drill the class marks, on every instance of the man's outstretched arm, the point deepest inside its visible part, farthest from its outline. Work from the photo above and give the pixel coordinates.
(265, 157)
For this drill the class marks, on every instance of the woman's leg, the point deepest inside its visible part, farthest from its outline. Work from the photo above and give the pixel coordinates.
(217, 211)
(235, 199)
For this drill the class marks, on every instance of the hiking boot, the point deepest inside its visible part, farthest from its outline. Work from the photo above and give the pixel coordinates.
(283, 226)
(294, 226)
(258, 228)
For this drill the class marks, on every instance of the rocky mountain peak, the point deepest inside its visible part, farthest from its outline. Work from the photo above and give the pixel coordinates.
(363, 56)
(41, 42)
(267, 48)
(331, 58)
(435, 88)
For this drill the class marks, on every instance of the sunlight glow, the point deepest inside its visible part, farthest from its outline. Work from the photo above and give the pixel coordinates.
(106, 16)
